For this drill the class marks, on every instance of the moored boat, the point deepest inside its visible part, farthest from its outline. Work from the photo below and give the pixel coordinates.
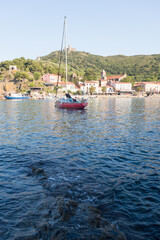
(11, 96)
(69, 102)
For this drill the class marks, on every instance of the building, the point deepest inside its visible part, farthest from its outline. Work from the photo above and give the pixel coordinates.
(103, 75)
(13, 68)
(121, 86)
(150, 87)
(51, 78)
(74, 76)
(137, 86)
(109, 89)
(69, 87)
(69, 49)
(116, 78)
(113, 83)
(103, 82)
(85, 87)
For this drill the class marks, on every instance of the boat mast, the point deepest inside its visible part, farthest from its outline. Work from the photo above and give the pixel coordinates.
(66, 48)
(60, 59)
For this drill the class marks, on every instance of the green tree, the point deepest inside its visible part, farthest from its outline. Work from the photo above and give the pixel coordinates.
(5, 64)
(139, 89)
(37, 75)
(104, 89)
(92, 90)
(79, 92)
(90, 75)
(21, 75)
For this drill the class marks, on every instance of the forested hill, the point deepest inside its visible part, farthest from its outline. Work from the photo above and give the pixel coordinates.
(89, 66)
(138, 68)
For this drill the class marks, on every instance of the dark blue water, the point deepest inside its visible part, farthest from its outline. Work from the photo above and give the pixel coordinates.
(80, 174)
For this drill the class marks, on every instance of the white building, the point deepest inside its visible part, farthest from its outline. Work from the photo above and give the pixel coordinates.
(83, 88)
(103, 82)
(151, 87)
(12, 68)
(121, 86)
(103, 74)
(109, 89)
(89, 84)
(69, 87)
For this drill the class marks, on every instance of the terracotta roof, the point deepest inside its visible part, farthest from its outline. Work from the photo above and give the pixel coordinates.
(92, 82)
(151, 82)
(137, 84)
(122, 82)
(113, 77)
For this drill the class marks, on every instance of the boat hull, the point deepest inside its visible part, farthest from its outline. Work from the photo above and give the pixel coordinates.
(10, 97)
(71, 105)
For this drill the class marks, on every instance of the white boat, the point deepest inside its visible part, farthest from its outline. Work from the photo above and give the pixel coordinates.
(11, 96)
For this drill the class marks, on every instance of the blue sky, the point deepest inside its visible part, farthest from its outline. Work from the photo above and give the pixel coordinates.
(33, 28)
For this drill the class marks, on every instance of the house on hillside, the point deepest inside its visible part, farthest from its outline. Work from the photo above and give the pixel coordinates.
(74, 76)
(69, 49)
(51, 78)
(13, 68)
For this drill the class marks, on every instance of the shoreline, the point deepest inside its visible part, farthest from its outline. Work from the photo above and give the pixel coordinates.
(120, 96)
(94, 96)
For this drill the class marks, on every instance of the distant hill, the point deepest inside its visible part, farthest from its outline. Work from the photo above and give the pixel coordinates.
(138, 68)
(89, 66)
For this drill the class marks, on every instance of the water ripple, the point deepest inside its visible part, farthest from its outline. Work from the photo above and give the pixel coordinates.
(91, 174)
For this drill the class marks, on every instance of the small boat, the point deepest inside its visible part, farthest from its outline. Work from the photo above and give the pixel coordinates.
(69, 102)
(11, 96)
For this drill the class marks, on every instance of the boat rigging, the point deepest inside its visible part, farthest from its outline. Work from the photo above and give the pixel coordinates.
(67, 102)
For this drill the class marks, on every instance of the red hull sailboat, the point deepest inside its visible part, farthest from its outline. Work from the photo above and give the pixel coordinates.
(69, 102)
(64, 103)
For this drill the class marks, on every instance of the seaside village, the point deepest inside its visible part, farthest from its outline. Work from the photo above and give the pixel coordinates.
(106, 85)
(111, 85)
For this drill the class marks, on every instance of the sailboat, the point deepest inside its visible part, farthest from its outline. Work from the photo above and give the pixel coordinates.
(68, 101)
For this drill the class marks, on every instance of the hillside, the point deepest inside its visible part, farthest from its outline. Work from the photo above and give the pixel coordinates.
(140, 67)
(89, 66)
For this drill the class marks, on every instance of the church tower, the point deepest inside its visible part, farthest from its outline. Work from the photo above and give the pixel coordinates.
(103, 75)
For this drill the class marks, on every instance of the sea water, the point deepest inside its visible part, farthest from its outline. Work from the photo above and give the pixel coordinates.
(80, 174)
